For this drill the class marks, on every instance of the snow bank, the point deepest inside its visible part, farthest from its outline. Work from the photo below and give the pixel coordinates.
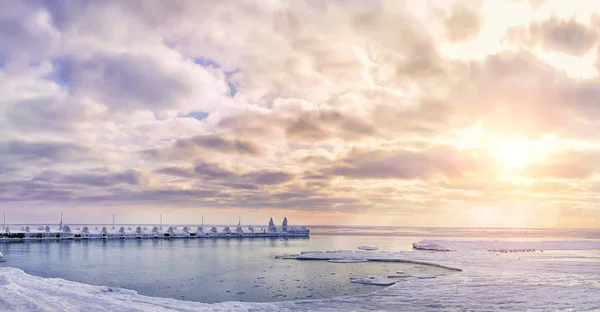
(23, 292)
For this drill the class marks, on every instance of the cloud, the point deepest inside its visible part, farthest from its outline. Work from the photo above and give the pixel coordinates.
(554, 34)
(443, 161)
(191, 148)
(43, 151)
(27, 33)
(127, 81)
(354, 108)
(323, 124)
(462, 24)
(130, 176)
(32, 115)
(212, 171)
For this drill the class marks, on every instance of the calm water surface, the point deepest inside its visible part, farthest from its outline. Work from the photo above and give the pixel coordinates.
(214, 270)
(206, 270)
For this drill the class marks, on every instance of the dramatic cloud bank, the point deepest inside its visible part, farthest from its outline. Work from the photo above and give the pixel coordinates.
(465, 113)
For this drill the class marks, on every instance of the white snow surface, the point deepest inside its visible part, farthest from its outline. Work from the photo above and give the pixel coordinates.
(488, 282)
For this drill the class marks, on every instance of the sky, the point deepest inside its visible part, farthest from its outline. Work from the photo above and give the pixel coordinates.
(356, 112)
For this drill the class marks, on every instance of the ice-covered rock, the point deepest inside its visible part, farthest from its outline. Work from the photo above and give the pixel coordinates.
(213, 229)
(155, 229)
(199, 230)
(47, 229)
(272, 227)
(122, 230)
(250, 229)
(138, 230)
(66, 229)
(27, 229)
(284, 224)
(85, 230)
(226, 230)
(104, 230)
(373, 280)
(171, 230)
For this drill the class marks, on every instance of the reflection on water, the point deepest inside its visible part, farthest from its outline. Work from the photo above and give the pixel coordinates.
(206, 270)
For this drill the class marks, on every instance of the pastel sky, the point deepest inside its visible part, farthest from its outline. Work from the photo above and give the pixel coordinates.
(425, 113)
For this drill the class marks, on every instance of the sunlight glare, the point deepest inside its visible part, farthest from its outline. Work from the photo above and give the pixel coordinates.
(516, 153)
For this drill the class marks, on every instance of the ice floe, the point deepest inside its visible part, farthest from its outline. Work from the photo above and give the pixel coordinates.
(365, 255)
(373, 280)
(429, 246)
(367, 248)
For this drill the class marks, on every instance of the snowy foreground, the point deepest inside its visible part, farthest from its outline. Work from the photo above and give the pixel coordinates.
(560, 280)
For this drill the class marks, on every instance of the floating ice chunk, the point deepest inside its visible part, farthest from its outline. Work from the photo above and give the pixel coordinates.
(429, 246)
(373, 280)
(425, 276)
(288, 256)
(401, 275)
(367, 248)
(347, 260)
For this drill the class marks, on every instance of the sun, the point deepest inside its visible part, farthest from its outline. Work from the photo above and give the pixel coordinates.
(515, 153)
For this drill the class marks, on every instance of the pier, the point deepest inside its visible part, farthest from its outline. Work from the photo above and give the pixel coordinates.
(61, 232)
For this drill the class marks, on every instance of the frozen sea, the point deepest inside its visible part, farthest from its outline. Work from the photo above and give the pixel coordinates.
(565, 276)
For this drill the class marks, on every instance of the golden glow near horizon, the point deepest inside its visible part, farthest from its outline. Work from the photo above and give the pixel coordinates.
(447, 113)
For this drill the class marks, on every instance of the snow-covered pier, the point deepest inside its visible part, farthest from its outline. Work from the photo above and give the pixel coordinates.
(141, 232)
